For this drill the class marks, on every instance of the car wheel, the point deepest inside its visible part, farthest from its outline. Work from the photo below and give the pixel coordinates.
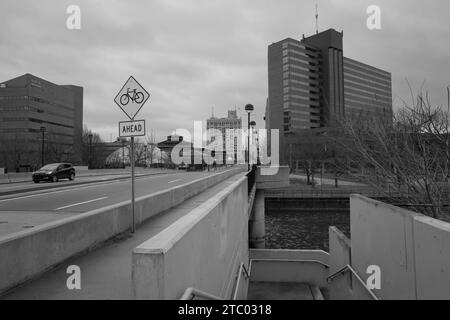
(36, 181)
(72, 176)
(54, 179)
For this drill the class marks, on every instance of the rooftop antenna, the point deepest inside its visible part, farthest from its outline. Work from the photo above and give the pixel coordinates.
(317, 17)
(213, 111)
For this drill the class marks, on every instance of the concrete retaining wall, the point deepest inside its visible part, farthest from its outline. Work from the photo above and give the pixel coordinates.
(279, 180)
(432, 256)
(26, 254)
(203, 250)
(340, 250)
(301, 266)
(412, 250)
(340, 256)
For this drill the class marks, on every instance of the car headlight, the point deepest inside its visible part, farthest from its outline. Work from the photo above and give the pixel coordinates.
(50, 172)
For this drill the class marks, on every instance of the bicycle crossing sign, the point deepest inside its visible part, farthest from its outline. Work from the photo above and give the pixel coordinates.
(131, 98)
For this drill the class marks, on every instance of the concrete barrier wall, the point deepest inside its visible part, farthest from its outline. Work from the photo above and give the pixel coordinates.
(301, 266)
(26, 254)
(412, 250)
(340, 256)
(382, 235)
(340, 250)
(432, 255)
(279, 180)
(202, 250)
(15, 177)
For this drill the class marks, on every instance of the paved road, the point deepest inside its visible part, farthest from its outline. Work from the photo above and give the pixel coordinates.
(82, 177)
(26, 210)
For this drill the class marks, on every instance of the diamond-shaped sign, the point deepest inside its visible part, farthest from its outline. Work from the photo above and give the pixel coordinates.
(131, 98)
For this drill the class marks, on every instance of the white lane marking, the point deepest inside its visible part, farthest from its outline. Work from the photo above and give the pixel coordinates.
(174, 181)
(71, 188)
(54, 192)
(80, 203)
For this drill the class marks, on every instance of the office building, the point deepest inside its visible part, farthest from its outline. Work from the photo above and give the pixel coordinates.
(313, 86)
(228, 127)
(30, 105)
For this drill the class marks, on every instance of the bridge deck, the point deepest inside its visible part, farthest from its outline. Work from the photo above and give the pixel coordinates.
(106, 272)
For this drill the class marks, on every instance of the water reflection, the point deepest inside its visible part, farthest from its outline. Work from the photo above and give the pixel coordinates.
(303, 230)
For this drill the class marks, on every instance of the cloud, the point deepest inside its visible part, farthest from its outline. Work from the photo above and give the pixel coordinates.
(192, 55)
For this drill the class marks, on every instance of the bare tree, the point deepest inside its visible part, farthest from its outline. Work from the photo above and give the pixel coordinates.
(406, 160)
(90, 152)
(140, 150)
(152, 146)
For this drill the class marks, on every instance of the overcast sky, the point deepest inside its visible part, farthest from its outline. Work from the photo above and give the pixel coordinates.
(192, 55)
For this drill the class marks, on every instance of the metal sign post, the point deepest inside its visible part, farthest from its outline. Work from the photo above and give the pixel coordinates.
(130, 99)
(133, 228)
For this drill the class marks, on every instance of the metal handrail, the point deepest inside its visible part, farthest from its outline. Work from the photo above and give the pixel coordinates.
(191, 293)
(242, 269)
(346, 269)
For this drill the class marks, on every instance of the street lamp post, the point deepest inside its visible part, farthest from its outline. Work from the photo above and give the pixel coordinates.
(90, 151)
(43, 130)
(249, 108)
(252, 125)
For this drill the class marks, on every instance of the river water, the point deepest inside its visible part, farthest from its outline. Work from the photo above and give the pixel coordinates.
(288, 229)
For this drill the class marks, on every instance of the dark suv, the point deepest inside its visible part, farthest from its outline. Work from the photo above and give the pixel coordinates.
(54, 172)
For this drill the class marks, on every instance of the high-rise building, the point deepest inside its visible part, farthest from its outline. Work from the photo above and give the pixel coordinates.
(30, 105)
(367, 91)
(312, 85)
(228, 127)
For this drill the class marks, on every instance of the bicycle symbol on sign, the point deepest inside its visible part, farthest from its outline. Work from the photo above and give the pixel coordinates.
(135, 97)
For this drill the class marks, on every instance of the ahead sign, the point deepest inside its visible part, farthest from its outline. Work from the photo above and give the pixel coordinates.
(132, 129)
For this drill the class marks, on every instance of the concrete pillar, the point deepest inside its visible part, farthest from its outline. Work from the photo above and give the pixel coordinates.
(257, 223)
